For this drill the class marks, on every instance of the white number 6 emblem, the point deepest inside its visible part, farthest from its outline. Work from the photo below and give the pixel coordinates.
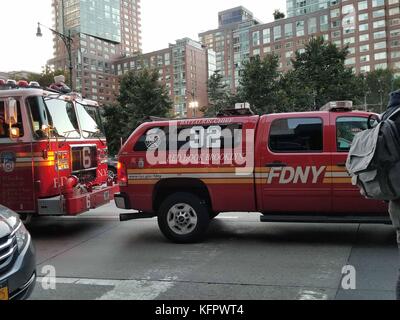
(87, 161)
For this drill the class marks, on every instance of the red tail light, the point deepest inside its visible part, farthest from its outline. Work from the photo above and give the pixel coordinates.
(122, 175)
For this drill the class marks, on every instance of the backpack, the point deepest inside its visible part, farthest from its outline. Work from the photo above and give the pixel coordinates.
(374, 159)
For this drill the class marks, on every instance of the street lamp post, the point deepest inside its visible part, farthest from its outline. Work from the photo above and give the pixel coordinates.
(67, 39)
(194, 105)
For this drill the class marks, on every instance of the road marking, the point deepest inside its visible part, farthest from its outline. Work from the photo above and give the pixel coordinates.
(312, 295)
(122, 289)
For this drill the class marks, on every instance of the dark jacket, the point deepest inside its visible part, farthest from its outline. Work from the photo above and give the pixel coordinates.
(394, 105)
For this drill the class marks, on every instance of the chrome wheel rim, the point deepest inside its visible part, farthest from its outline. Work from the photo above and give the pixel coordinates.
(182, 219)
(111, 174)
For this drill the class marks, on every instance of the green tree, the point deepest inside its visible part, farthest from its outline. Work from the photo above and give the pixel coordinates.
(321, 69)
(141, 96)
(296, 96)
(278, 15)
(217, 95)
(377, 85)
(260, 84)
(46, 78)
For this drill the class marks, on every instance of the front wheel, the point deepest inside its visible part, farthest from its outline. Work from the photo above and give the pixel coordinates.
(184, 218)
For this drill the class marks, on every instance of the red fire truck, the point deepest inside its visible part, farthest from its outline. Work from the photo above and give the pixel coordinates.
(290, 167)
(53, 154)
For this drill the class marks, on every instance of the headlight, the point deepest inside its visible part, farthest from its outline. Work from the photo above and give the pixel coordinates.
(22, 236)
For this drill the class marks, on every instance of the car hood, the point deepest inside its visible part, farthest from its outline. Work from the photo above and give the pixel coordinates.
(9, 220)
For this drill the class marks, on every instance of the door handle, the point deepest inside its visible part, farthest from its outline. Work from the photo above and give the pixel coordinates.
(342, 164)
(276, 165)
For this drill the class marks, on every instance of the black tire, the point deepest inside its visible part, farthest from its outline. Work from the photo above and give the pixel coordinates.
(213, 215)
(180, 201)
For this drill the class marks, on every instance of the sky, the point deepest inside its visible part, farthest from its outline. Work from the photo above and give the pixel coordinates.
(163, 22)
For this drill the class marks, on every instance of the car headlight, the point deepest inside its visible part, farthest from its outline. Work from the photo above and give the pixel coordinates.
(22, 236)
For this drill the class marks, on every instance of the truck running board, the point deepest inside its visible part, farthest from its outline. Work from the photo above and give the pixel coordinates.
(326, 219)
(135, 216)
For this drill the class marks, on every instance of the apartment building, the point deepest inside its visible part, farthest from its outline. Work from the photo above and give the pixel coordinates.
(184, 68)
(370, 28)
(102, 31)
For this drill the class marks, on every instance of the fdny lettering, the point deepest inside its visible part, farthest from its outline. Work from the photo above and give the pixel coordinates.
(295, 175)
(59, 183)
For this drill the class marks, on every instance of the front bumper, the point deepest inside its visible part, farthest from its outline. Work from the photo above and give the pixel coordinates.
(21, 278)
(76, 204)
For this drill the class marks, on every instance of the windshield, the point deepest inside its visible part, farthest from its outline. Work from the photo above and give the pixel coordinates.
(64, 118)
(89, 117)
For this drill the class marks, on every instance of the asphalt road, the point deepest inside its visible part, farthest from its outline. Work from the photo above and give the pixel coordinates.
(97, 257)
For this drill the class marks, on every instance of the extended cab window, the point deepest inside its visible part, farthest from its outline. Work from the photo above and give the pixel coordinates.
(197, 137)
(346, 129)
(4, 127)
(296, 135)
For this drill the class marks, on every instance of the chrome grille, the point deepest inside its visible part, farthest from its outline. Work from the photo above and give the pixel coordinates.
(8, 250)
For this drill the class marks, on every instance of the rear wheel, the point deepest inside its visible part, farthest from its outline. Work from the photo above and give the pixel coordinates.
(183, 218)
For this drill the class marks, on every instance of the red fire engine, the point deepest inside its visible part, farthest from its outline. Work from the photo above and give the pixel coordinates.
(290, 167)
(53, 154)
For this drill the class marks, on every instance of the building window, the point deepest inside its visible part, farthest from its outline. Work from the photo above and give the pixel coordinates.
(365, 69)
(380, 56)
(348, 9)
(362, 5)
(312, 25)
(364, 27)
(256, 38)
(363, 17)
(289, 30)
(379, 24)
(379, 13)
(266, 36)
(364, 58)
(380, 45)
(378, 3)
(300, 28)
(277, 33)
(380, 35)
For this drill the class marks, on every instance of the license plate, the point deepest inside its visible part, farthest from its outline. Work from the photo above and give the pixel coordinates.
(4, 292)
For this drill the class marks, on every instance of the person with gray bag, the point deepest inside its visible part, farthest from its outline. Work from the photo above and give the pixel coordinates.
(374, 163)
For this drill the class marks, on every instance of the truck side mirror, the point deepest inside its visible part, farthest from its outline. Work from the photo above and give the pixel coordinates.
(11, 112)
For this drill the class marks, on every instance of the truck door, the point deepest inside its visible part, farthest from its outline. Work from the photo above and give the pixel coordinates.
(346, 198)
(292, 164)
(16, 175)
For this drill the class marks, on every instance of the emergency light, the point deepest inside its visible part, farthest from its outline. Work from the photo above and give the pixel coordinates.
(338, 106)
(23, 84)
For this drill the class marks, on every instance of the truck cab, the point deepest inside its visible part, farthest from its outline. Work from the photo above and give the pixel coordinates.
(53, 154)
(288, 167)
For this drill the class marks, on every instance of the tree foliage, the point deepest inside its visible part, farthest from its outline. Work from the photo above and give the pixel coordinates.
(321, 70)
(141, 96)
(218, 95)
(260, 84)
(377, 86)
(278, 15)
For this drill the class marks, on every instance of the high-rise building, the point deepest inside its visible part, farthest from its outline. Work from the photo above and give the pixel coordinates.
(102, 31)
(370, 29)
(302, 7)
(184, 68)
(230, 42)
